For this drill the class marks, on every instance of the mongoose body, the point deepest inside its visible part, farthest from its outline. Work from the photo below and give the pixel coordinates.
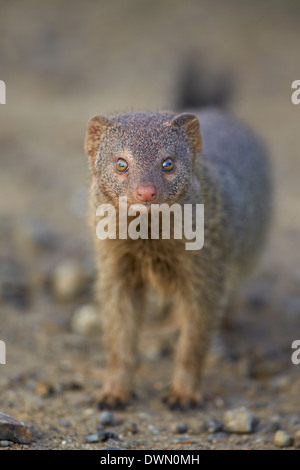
(167, 158)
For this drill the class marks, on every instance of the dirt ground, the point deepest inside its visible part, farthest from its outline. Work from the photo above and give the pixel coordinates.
(63, 62)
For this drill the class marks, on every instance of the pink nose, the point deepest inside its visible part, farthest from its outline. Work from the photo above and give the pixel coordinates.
(146, 192)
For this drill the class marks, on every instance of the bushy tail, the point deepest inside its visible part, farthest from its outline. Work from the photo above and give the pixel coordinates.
(199, 87)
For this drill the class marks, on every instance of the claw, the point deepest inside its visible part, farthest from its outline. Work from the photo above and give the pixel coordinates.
(174, 401)
(110, 402)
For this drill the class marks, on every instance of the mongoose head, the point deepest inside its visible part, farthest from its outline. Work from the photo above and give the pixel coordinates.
(147, 157)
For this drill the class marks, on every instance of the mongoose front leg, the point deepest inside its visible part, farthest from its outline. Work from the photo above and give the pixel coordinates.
(122, 314)
(197, 325)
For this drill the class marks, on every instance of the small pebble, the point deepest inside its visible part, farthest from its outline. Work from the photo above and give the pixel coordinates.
(105, 435)
(13, 430)
(86, 320)
(114, 448)
(107, 418)
(44, 389)
(179, 428)
(64, 422)
(68, 280)
(92, 438)
(219, 402)
(153, 429)
(282, 439)
(297, 439)
(5, 443)
(77, 383)
(133, 428)
(239, 420)
(212, 425)
(183, 440)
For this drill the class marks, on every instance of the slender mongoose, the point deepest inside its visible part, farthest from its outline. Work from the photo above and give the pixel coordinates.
(174, 158)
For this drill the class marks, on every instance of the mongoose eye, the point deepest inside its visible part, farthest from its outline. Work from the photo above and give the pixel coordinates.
(168, 164)
(122, 165)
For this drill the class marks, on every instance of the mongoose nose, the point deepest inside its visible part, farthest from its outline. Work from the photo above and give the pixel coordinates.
(146, 192)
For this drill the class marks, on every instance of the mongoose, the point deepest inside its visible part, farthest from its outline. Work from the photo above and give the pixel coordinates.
(165, 157)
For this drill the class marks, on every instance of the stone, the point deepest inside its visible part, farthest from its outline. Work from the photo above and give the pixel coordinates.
(44, 389)
(179, 428)
(86, 321)
(239, 420)
(5, 443)
(296, 438)
(13, 430)
(107, 418)
(282, 439)
(69, 280)
(64, 422)
(212, 425)
(133, 428)
(77, 383)
(153, 429)
(92, 438)
(105, 435)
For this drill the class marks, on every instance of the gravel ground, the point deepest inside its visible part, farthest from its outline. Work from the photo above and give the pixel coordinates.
(61, 69)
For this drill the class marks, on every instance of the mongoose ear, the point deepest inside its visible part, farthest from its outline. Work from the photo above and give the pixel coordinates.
(96, 126)
(190, 123)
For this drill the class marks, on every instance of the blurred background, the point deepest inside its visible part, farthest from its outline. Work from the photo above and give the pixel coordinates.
(63, 62)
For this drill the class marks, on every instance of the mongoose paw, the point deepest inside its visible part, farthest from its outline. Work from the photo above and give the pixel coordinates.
(109, 402)
(175, 401)
(112, 401)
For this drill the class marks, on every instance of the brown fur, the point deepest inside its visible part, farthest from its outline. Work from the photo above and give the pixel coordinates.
(231, 178)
